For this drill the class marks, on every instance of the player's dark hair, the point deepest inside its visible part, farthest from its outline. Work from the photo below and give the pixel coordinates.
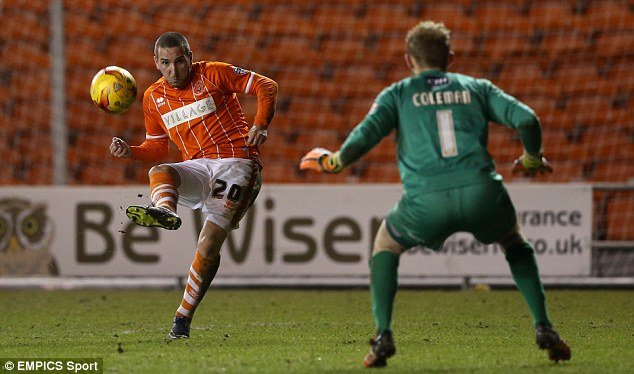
(429, 43)
(172, 39)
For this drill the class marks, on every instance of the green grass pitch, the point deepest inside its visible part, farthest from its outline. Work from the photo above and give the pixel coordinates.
(316, 331)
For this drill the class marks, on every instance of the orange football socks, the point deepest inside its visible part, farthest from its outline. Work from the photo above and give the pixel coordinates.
(163, 191)
(201, 273)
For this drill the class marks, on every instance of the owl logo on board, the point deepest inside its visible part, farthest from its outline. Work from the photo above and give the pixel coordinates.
(26, 233)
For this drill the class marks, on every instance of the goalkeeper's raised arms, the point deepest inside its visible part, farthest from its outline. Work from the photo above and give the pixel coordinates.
(530, 165)
(321, 160)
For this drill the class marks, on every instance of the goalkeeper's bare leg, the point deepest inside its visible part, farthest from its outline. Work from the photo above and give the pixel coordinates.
(520, 255)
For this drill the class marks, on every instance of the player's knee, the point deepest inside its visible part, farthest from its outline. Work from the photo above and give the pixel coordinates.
(157, 169)
(384, 242)
(210, 240)
(512, 238)
(165, 169)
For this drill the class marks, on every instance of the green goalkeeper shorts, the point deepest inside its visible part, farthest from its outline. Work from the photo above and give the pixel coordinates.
(485, 210)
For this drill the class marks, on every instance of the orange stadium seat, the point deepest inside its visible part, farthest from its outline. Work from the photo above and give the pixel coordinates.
(23, 84)
(608, 143)
(453, 15)
(31, 114)
(338, 19)
(613, 171)
(468, 65)
(464, 45)
(544, 102)
(78, 83)
(25, 6)
(307, 108)
(502, 17)
(553, 15)
(560, 147)
(390, 47)
(277, 172)
(610, 14)
(17, 55)
(285, 19)
(581, 77)
(326, 138)
(558, 44)
(590, 109)
(26, 26)
(227, 19)
(342, 50)
(620, 217)
(556, 118)
(292, 51)
(358, 80)
(503, 45)
(80, 24)
(279, 149)
(392, 18)
(141, 25)
(300, 82)
(86, 53)
(104, 174)
(615, 43)
(334, 121)
(129, 52)
(39, 160)
(524, 78)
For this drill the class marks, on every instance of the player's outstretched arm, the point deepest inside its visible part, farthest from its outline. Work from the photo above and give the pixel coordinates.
(321, 160)
(119, 148)
(530, 165)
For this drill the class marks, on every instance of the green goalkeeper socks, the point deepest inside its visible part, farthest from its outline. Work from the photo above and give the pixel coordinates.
(383, 286)
(521, 258)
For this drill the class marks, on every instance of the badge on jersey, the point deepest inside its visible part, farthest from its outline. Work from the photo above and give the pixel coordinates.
(199, 87)
(239, 71)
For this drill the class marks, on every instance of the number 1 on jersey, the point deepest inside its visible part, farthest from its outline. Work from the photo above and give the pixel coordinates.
(448, 145)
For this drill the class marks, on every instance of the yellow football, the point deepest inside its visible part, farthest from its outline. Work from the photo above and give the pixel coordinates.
(113, 89)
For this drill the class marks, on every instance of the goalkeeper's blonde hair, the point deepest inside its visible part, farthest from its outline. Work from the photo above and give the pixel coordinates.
(429, 43)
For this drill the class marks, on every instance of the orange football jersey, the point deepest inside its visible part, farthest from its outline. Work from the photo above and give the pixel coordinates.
(205, 119)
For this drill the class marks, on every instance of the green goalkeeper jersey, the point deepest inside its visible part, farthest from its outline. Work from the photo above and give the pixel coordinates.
(441, 122)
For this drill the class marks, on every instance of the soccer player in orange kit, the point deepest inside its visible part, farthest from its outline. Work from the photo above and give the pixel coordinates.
(195, 105)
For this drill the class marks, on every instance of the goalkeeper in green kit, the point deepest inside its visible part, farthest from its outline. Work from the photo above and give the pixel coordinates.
(450, 183)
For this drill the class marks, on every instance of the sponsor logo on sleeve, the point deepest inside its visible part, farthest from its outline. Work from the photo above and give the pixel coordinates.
(239, 71)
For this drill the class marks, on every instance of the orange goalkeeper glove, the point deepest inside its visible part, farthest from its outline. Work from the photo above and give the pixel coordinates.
(321, 160)
(530, 165)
